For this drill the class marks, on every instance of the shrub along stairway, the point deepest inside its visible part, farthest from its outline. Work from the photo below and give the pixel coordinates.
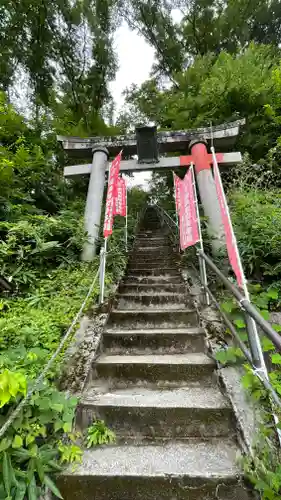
(156, 387)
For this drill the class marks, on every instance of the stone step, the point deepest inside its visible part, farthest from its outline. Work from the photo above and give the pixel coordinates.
(161, 340)
(152, 236)
(159, 260)
(141, 251)
(143, 413)
(149, 288)
(191, 367)
(145, 247)
(164, 279)
(154, 231)
(152, 242)
(194, 470)
(159, 264)
(163, 252)
(136, 301)
(150, 271)
(149, 318)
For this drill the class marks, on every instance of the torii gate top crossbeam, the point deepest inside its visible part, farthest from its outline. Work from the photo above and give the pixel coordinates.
(225, 159)
(224, 137)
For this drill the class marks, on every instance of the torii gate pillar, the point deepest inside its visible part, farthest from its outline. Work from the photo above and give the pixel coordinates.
(94, 201)
(208, 193)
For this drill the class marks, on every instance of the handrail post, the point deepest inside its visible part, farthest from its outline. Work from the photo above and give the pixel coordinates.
(255, 345)
(102, 271)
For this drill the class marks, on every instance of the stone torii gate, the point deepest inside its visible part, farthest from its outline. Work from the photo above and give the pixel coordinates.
(146, 145)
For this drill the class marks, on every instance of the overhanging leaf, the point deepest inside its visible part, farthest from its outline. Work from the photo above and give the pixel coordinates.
(17, 442)
(228, 306)
(6, 474)
(240, 323)
(51, 485)
(276, 359)
(21, 490)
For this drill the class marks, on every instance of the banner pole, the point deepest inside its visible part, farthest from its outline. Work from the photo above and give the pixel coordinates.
(254, 338)
(102, 271)
(177, 215)
(126, 222)
(202, 263)
(175, 196)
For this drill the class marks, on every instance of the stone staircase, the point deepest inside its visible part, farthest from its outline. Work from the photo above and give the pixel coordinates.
(156, 387)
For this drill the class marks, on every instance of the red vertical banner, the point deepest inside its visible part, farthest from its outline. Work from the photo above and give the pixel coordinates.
(189, 233)
(120, 206)
(111, 195)
(231, 244)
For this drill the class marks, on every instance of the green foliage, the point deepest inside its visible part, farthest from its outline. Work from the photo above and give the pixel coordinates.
(11, 384)
(229, 355)
(216, 88)
(30, 450)
(32, 326)
(65, 51)
(205, 26)
(36, 244)
(262, 467)
(98, 433)
(256, 216)
(263, 470)
(265, 300)
(70, 453)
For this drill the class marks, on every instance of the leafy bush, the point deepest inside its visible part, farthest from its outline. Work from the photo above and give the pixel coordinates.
(262, 467)
(37, 243)
(32, 326)
(29, 451)
(256, 216)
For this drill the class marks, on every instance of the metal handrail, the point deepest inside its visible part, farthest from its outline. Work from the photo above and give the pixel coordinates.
(248, 309)
(244, 303)
(104, 252)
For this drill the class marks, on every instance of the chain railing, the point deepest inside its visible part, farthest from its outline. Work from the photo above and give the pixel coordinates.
(252, 353)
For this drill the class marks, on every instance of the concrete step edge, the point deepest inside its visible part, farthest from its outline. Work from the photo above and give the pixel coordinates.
(194, 359)
(154, 311)
(152, 294)
(198, 398)
(155, 331)
(195, 458)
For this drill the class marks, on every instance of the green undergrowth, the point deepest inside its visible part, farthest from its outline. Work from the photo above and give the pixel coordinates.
(41, 440)
(263, 468)
(32, 325)
(49, 284)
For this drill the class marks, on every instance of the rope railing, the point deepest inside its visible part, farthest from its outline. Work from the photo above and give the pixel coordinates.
(41, 377)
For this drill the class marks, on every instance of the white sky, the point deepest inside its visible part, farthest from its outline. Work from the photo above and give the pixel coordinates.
(135, 58)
